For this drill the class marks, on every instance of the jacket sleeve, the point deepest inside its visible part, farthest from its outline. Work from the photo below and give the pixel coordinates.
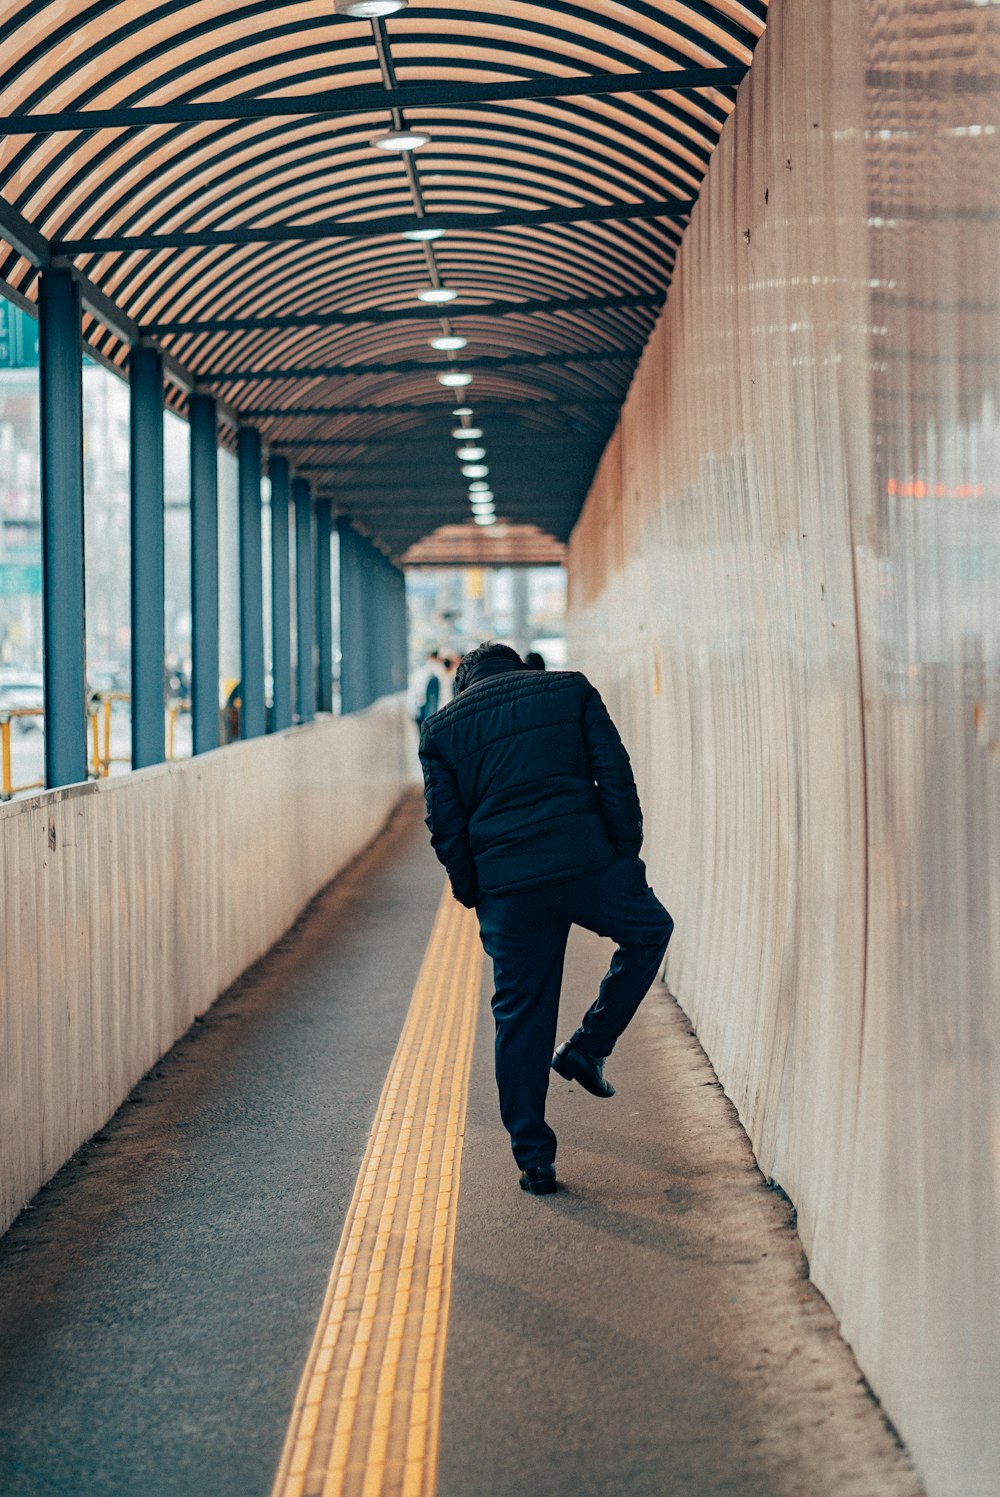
(609, 764)
(448, 823)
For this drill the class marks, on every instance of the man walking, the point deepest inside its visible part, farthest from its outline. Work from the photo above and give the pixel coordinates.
(533, 811)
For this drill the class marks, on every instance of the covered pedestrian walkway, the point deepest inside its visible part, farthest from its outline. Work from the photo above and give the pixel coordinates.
(651, 1329)
(701, 300)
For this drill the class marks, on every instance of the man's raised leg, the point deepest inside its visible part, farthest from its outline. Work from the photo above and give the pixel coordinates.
(617, 902)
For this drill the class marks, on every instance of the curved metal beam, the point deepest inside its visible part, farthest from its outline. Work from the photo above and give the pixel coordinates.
(481, 365)
(376, 315)
(360, 100)
(174, 118)
(476, 223)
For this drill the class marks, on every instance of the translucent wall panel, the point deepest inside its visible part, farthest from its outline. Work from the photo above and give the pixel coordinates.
(108, 542)
(20, 546)
(177, 582)
(786, 579)
(229, 572)
(106, 493)
(265, 561)
(335, 606)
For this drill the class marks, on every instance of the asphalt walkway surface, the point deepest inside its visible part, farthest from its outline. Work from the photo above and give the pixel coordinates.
(648, 1330)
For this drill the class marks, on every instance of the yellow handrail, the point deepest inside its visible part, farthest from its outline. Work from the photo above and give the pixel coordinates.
(99, 706)
(101, 758)
(174, 709)
(7, 787)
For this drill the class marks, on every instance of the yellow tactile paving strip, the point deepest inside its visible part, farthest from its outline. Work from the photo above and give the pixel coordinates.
(367, 1413)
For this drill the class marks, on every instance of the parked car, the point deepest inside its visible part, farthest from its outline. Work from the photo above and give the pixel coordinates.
(106, 676)
(23, 691)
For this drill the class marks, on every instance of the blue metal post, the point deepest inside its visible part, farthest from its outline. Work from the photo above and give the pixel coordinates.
(352, 624)
(380, 625)
(204, 575)
(305, 606)
(281, 614)
(372, 622)
(396, 678)
(404, 634)
(146, 483)
(367, 621)
(253, 716)
(388, 626)
(324, 606)
(61, 383)
(400, 662)
(392, 628)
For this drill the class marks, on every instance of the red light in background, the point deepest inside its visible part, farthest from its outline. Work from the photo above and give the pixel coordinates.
(918, 488)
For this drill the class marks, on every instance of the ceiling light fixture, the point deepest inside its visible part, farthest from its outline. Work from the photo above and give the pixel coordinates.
(462, 410)
(479, 487)
(470, 454)
(401, 141)
(467, 433)
(422, 235)
(484, 519)
(454, 379)
(450, 343)
(436, 295)
(367, 10)
(475, 470)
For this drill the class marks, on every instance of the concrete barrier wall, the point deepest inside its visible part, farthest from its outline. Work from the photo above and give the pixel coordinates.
(129, 905)
(786, 581)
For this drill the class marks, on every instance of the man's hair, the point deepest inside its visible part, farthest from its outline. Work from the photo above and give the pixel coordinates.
(486, 651)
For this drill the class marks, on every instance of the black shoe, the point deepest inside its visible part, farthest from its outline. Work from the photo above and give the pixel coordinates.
(588, 1070)
(540, 1180)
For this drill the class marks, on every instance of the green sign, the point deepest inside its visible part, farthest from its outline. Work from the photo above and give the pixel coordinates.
(18, 578)
(18, 338)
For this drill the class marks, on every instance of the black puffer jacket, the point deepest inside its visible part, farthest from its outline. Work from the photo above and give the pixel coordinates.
(527, 782)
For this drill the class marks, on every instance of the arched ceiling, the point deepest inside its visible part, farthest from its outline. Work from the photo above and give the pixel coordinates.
(209, 171)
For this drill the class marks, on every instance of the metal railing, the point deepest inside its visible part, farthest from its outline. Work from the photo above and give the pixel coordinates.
(174, 710)
(100, 759)
(7, 787)
(99, 711)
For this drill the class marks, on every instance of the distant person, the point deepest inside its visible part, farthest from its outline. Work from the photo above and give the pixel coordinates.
(449, 665)
(424, 696)
(533, 811)
(534, 661)
(230, 712)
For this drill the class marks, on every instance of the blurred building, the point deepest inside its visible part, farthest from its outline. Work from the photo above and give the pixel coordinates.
(453, 609)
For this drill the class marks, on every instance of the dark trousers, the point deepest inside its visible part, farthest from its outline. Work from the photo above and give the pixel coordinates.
(526, 933)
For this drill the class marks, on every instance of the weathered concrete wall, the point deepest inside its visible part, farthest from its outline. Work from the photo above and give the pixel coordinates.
(786, 581)
(129, 905)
